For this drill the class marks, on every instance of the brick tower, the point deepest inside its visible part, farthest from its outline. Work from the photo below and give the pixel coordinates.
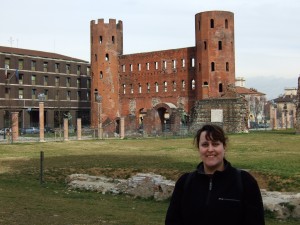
(106, 47)
(215, 57)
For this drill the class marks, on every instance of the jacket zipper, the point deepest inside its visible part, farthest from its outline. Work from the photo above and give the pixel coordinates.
(209, 191)
(229, 199)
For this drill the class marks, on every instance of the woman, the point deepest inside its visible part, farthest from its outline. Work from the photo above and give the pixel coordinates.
(216, 193)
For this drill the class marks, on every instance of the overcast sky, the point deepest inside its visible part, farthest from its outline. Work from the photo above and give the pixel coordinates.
(267, 32)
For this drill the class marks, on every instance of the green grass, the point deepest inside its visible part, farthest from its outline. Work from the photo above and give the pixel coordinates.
(272, 157)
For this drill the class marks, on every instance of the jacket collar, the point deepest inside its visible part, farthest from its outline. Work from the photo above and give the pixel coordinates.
(200, 167)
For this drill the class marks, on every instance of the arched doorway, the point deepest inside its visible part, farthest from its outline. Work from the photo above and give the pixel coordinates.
(164, 116)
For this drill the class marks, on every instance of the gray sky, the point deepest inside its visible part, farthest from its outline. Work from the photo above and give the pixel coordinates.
(267, 33)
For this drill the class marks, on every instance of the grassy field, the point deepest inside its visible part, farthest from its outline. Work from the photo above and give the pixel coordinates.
(272, 157)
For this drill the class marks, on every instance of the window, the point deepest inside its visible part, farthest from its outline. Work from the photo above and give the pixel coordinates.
(220, 88)
(123, 68)
(100, 39)
(78, 83)
(212, 65)
(174, 64)
(183, 85)
(124, 88)
(101, 75)
(46, 94)
(88, 97)
(139, 67)
(147, 66)
(131, 67)
(227, 66)
(7, 93)
(78, 95)
(226, 24)
(148, 88)
(33, 79)
(21, 76)
(156, 87)
(56, 81)
(131, 88)
(45, 67)
(156, 65)
(165, 86)
(21, 93)
(212, 23)
(106, 57)
(68, 95)
(88, 83)
(220, 45)
(183, 63)
(68, 82)
(193, 84)
(174, 86)
(192, 62)
(78, 70)
(205, 83)
(140, 88)
(164, 65)
(56, 67)
(33, 65)
(57, 95)
(7, 63)
(113, 39)
(68, 67)
(21, 64)
(205, 45)
(33, 94)
(45, 80)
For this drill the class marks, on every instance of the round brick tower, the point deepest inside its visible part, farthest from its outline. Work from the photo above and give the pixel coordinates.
(215, 58)
(106, 46)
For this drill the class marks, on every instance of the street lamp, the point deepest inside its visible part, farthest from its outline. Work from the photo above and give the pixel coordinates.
(41, 98)
(100, 129)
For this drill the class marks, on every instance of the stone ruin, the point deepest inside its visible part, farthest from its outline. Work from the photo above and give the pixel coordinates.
(149, 185)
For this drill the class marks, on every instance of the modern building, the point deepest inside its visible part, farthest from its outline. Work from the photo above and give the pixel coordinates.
(63, 83)
(160, 91)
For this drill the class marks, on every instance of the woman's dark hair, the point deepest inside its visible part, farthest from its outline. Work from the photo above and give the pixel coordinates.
(213, 133)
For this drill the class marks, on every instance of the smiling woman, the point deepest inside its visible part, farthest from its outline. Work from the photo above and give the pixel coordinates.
(216, 192)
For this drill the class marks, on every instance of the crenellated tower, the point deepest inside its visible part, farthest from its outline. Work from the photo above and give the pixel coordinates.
(106, 46)
(215, 56)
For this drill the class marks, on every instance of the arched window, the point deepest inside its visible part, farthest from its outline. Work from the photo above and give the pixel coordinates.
(193, 84)
(101, 74)
(227, 66)
(174, 86)
(156, 87)
(220, 45)
(220, 87)
(140, 88)
(124, 88)
(183, 85)
(148, 88)
(212, 66)
(165, 86)
(106, 57)
(212, 23)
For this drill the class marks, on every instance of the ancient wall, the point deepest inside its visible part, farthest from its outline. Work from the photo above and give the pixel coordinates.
(232, 116)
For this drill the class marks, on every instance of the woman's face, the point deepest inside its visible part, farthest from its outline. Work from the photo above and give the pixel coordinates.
(212, 154)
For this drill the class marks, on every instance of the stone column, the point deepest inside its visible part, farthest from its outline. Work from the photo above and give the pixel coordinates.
(122, 127)
(78, 129)
(41, 120)
(66, 129)
(15, 126)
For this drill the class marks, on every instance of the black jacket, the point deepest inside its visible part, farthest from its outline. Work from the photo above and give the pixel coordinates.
(222, 198)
